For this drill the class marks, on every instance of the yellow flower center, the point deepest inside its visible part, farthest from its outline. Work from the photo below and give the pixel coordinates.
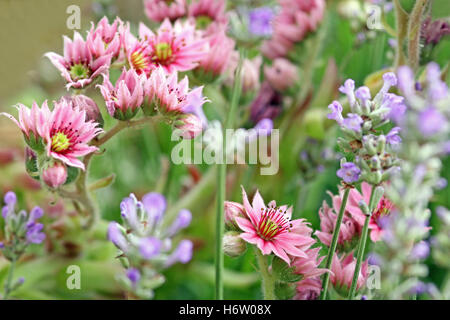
(60, 142)
(163, 51)
(138, 60)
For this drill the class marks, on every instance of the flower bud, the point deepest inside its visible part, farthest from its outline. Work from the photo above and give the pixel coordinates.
(281, 75)
(233, 210)
(190, 125)
(233, 244)
(55, 175)
(88, 105)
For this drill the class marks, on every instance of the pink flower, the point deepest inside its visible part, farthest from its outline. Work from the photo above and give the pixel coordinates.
(124, 99)
(308, 266)
(104, 39)
(78, 66)
(220, 53)
(69, 134)
(190, 125)
(166, 94)
(249, 73)
(138, 52)
(175, 48)
(282, 74)
(342, 270)
(308, 289)
(213, 10)
(55, 175)
(158, 10)
(295, 20)
(33, 123)
(64, 132)
(233, 210)
(383, 208)
(350, 228)
(271, 230)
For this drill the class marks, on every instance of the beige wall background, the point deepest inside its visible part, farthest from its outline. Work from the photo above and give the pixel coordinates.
(29, 28)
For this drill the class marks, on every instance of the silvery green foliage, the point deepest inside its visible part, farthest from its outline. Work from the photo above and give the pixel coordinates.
(425, 134)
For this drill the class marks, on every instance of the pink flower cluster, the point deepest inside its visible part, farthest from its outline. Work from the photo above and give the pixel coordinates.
(294, 21)
(271, 230)
(63, 133)
(343, 265)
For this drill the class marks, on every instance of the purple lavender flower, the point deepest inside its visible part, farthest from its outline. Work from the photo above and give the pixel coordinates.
(149, 247)
(116, 237)
(134, 275)
(390, 80)
(10, 200)
(441, 183)
(363, 94)
(194, 105)
(353, 122)
(406, 82)
(397, 106)
(260, 21)
(392, 42)
(128, 211)
(349, 90)
(336, 112)
(393, 138)
(34, 233)
(374, 259)
(420, 251)
(349, 172)
(182, 221)
(264, 127)
(431, 122)
(155, 204)
(437, 89)
(183, 253)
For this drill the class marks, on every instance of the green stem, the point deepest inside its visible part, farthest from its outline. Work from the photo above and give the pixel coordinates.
(361, 247)
(9, 279)
(334, 241)
(402, 30)
(222, 173)
(414, 27)
(268, 283)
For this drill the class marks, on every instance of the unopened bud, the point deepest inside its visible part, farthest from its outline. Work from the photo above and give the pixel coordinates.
(190, 125)
(233, 244)
(364, 207)
(55, 175)
(87, 105)
(233, 210)
(377, 195)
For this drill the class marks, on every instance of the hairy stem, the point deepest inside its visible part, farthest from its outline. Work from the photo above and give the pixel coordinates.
(268, 281)
(9, 279)
(414, 27)
(334, 241)
(402, 31)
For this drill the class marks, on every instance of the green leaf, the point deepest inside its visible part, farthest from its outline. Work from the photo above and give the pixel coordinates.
(283, 272)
